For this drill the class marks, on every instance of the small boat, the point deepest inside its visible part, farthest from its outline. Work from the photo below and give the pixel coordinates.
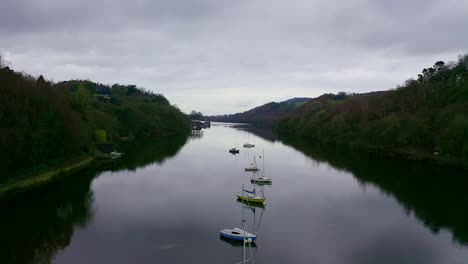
(251, 199)
(250, 196)
(260, 180)
(259, 205)
(235, 236)
(253, 167)
(248, 145)
(238, 234)
(234, 151)
(115, 155)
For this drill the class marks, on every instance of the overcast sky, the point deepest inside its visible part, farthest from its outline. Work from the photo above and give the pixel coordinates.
(219, 56)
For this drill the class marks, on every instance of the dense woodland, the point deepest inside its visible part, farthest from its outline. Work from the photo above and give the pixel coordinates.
(44, 123)
(268, 114)
(425, 118)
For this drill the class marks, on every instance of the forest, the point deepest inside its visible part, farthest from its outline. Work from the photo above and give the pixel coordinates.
(425, 118)
(43, 124)
(267, 115)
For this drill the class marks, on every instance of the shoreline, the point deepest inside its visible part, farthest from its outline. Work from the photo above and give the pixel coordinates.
(404, 155)
(22, 185)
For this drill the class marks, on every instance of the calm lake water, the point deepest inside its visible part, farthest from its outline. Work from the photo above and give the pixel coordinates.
(166, 202)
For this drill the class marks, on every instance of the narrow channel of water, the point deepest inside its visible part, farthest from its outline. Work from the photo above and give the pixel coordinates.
(166, 202)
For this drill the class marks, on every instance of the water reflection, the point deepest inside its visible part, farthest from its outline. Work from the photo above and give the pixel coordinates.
(146, 152)
(265, 132)
(36, 225)
(196, 134)
(436, 196)
(165, 204)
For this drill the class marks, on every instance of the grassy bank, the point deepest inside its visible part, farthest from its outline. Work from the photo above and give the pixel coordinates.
(33, 181)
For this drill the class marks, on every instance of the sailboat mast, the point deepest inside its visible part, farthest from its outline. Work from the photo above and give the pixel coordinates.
(243, 228)
(263, 161)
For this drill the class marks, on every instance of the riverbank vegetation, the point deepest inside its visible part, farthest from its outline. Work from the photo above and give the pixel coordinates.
(425, 118)
(43, 124)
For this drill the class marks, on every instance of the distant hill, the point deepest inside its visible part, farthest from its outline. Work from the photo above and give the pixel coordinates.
(267, 114)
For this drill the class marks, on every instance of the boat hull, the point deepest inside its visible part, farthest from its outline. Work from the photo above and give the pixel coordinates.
(260, 180)
(237, 234)
(258, 205)
(259, 200)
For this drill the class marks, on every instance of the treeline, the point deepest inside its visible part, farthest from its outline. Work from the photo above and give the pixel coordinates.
(43, 123)
(426, 118)
(268, 114)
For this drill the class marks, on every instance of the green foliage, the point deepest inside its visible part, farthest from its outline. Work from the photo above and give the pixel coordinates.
(81, 100)
(101, 136)
(42, 123)
(422, 116)
(194, 115)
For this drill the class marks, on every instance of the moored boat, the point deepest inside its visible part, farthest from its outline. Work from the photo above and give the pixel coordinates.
(238, 234)
(234, 151)
(257, 179)
(251, 199)
(253, 167)
(250, 196)
(261, 180)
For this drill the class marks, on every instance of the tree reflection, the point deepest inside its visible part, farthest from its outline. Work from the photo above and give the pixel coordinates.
(34, 226)
(436, 196)
(146, 152)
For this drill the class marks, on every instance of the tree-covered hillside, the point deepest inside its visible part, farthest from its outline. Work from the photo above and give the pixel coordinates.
(267, 114)
(42, 123)
(426, 117)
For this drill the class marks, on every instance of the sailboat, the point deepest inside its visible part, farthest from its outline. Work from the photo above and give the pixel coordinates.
(234, 150)
(253, 167)
(250, 196)
(240, 235)
(257, 179)
(248, 145)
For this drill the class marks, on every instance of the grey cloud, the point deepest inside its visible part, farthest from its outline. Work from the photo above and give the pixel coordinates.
(227, 56)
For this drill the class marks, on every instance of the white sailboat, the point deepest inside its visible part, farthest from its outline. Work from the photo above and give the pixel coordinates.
(257, 179)
(240, 235)
(253, 167)
(248, 145)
